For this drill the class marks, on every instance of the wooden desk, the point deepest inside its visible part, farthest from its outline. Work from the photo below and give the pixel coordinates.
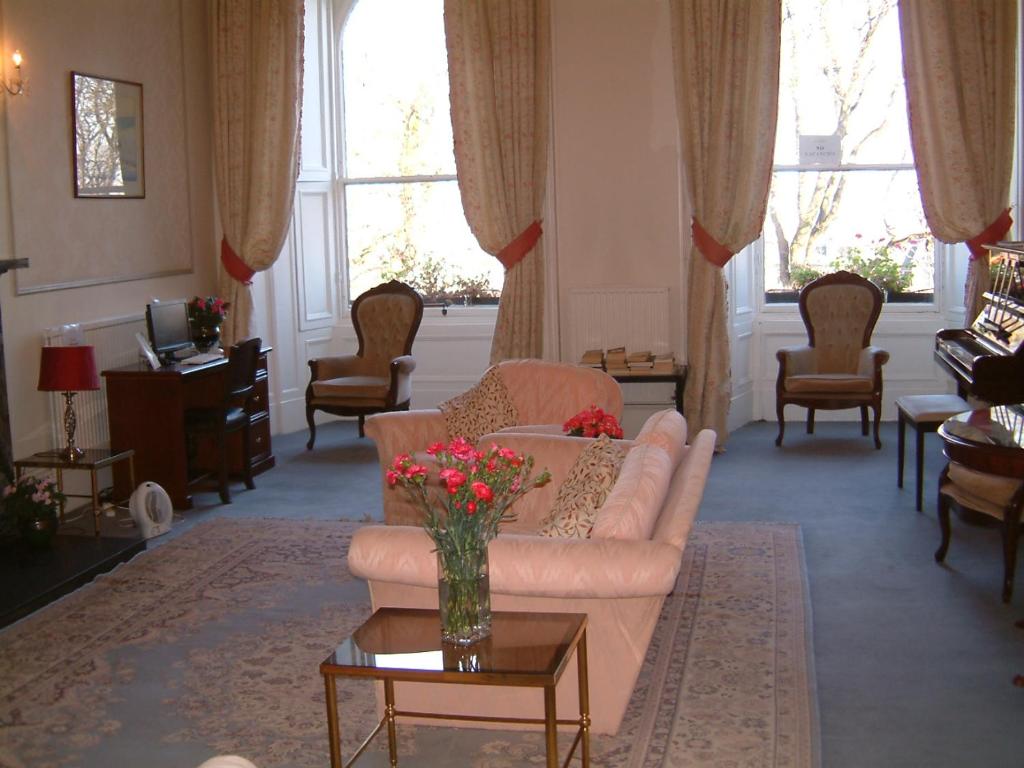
(146, 410)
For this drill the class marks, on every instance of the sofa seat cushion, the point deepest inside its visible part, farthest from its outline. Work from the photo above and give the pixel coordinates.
(585, 489)
(353, 388)
(829, 382)
(484, 408)
(634, 504)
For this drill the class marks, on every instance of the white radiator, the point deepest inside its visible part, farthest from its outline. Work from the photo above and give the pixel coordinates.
(630, 317)
(114, 345)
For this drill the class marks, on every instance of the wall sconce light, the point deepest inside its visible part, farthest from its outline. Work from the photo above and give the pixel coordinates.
(15, 87)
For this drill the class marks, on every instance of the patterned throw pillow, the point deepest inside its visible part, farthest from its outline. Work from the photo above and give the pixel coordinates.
(584, 489)
(482, 409)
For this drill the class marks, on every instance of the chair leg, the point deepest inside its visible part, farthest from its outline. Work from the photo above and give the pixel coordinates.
(1011, 531)
(810, 421)
(779, 410)
(878, 422)
(901, 433)
(247, 458)
(943, 507)
(222, 472)
(312, 427)
(362, 423)
(919, 465)
(864, 420)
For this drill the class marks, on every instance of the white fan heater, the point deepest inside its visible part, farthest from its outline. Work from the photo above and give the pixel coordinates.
(151, 509)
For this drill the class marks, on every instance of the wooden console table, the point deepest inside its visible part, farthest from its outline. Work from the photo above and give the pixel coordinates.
(146, 410)
(677, 377)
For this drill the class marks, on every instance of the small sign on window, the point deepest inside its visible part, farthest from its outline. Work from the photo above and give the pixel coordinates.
(820, 150)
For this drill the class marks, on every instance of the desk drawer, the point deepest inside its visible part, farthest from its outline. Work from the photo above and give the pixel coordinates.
(259, 439)
(259, 401)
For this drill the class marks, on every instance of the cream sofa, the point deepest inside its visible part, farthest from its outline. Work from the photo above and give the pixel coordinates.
(544, 394)
(620, 582)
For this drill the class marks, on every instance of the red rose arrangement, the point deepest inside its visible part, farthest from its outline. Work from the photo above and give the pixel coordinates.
(592, 422)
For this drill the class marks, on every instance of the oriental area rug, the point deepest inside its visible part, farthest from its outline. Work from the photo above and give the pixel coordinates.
(211, 643)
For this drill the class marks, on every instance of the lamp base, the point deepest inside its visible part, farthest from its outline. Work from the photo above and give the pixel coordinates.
(70, 453)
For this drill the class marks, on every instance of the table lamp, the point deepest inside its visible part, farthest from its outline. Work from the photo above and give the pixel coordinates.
(68, 370)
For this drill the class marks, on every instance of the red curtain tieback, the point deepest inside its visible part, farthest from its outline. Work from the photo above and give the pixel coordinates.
(523, 243)
(713, 250)
(993, 233)
(234, 265)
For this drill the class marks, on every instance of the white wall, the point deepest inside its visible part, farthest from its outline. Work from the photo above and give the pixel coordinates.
(54, 40)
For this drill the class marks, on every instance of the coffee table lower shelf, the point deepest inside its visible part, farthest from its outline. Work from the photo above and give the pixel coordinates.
(366, 654)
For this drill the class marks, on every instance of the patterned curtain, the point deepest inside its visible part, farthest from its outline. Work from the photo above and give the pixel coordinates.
(726, 57)
(257, 98)
(958, 64)
(498, 57)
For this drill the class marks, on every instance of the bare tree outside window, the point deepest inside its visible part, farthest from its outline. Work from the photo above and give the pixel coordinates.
(859, 209)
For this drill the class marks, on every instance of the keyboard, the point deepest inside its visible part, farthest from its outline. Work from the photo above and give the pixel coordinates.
(201, 358)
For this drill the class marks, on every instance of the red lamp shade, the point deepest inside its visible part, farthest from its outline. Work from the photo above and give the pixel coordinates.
(67, 369)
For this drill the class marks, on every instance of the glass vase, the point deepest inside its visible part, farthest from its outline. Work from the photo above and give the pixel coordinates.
(464, 595)
(205, 336)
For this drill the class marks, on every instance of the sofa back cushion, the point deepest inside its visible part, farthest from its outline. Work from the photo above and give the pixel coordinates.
(485, 407)
(551, 393)
(634, 504)
(667, 430)
(584, 489)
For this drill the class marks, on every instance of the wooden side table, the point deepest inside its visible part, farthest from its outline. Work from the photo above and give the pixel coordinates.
(404, 645)
(676, 377)
(92, 460)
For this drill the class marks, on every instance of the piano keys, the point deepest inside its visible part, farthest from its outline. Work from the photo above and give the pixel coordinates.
(987, 359)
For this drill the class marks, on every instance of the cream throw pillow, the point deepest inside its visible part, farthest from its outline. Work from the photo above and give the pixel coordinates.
(481, 409)
(584, 489)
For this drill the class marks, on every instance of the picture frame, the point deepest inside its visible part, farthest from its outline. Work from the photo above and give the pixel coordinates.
(147, 351)
(107, 137)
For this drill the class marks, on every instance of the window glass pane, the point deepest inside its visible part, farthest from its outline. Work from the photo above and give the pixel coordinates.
(395, 72)
(416, 233)
(878, 231)
(841, 73)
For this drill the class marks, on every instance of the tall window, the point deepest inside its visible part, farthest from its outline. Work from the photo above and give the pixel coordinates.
(844, 191)
(403, 213)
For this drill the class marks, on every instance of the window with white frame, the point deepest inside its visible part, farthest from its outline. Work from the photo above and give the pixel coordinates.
(844, 191)
(403, 213)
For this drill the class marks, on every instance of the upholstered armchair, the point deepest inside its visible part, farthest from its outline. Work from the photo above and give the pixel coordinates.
(378, 377)
(518, 395)
(838, 368)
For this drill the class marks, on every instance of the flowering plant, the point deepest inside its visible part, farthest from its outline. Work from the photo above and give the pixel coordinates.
(463, 514)
(592, 422)
(207, 311)
(31, 498)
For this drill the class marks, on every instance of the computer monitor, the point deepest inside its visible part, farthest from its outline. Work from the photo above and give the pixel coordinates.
(167, 323)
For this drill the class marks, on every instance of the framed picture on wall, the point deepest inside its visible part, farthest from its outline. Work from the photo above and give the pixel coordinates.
(107, 137)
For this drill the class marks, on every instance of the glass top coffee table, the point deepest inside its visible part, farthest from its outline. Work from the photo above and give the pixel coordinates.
(404, 645)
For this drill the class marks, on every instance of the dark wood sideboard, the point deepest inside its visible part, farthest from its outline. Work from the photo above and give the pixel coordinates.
(146, 410)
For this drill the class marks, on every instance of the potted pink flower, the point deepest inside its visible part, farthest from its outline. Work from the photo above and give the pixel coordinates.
(31, 505)
(593, 422)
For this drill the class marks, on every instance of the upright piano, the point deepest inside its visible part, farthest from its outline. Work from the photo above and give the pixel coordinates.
(987, 359)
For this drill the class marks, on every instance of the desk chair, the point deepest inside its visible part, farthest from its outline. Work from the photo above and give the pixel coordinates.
(230, 416)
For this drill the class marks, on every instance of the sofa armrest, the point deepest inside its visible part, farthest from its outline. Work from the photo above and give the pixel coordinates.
(405, 432)
(534, 566)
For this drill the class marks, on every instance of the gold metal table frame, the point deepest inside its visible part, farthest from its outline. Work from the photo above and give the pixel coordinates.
(92, 460)
(366, 652)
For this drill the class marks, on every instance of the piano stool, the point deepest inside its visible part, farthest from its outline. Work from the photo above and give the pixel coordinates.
(925, 413)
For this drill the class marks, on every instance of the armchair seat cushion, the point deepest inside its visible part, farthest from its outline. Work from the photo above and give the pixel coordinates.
(829, 383)
(353, 388)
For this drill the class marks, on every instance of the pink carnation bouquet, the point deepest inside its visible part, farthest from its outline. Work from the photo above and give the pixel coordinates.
(592, 422)
(463, 513)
